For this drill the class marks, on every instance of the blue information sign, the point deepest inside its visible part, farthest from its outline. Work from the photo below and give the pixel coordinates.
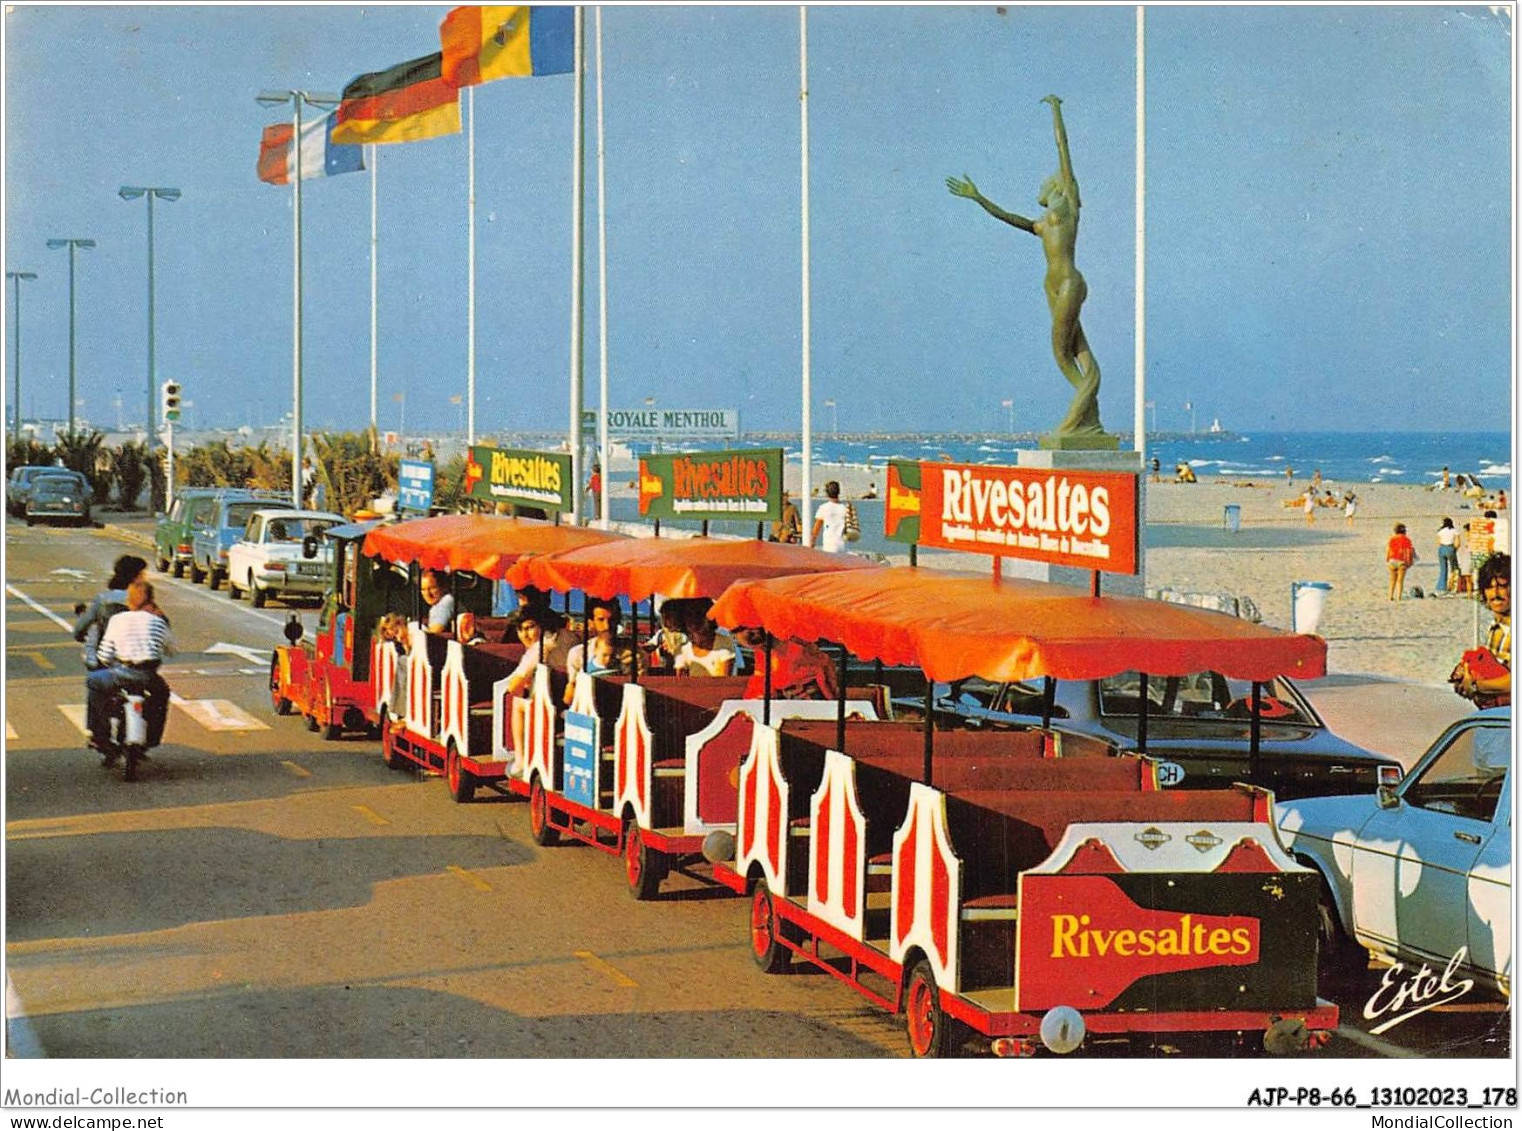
(579, 779)
(415, 485)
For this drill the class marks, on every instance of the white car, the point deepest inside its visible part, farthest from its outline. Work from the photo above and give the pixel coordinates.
(1420, 871)
(282, 553)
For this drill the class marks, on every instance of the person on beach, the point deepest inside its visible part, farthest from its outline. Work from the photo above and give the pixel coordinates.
(1157, 470)
(788, 528)
(829, 533)
(1400, 554)
(1445, 478)
(1289, 476)
(1349, 506)
(1447, 557)
(1316, 481)
(1309, 507)
(1483, 676)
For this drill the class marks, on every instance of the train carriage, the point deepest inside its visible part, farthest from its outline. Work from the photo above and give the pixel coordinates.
(659, 776)
(1000, 887)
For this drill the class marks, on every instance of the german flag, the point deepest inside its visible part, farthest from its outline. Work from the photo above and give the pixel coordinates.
(494, 42)
(409, 102)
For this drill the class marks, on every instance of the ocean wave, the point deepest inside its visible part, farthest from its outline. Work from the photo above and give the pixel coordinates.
(1488, 468)
(1275, 459)
(1390, 471)
(1383, 459)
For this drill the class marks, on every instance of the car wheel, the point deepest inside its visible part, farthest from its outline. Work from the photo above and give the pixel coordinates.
(177, 568)
(257, 597)
(197, 574)
(232, 590)
(214, 581)
(30, 521)
(162, 564)
(1338, 958)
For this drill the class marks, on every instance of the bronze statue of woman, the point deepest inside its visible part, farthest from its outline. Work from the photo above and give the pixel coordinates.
(1065, 288)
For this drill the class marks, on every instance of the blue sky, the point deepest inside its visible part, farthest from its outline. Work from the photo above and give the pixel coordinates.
(1329, 225)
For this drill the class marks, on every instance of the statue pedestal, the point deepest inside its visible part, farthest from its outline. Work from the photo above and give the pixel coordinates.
(1087, 460)
(1098, 442)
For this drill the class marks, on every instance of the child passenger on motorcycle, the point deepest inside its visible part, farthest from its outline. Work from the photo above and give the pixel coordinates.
(133, 645)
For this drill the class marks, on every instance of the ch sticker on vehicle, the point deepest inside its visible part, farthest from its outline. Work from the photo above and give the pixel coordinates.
(1169, 774)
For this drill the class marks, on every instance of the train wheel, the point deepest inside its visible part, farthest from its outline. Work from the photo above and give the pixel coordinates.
(539, 816)
(927, 1024)
(462, 783)
(281, 704)
(333, 729)
(393, 760)
(765, 947)
(643, 867)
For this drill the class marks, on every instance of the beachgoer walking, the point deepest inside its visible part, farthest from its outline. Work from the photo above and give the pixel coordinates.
(829, 533)
(1309, 507)
(1400, 554)
(1316, 481)
(1447, 557)
(1157, 470)
(1289, 476)
(1445, 477)
(594, 488)
(1349, 506)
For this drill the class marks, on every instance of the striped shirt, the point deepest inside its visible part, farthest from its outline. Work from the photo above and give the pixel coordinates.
(136, 638)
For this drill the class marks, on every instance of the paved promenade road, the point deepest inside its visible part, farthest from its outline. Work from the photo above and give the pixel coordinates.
(263, 893)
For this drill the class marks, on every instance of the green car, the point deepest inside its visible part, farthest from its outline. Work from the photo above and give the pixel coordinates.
(172, 536)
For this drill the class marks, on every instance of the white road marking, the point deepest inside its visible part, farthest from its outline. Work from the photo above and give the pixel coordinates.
(75, 574)
(220, 714)
(75, 713)
(49, 613)
(252, 655)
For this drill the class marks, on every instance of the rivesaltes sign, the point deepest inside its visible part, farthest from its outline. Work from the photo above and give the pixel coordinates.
(1065, 516)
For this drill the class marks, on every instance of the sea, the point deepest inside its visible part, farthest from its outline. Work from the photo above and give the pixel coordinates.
(1341, 457)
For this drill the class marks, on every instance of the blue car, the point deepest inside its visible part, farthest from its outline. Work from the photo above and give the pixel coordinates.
(1420, 871)
(1198, 727)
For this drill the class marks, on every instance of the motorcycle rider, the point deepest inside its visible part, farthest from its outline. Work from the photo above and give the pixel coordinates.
(133, 645)
(91, 622)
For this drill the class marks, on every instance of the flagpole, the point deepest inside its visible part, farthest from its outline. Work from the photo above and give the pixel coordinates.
(470, 290)
(1141, 236)
(296, 306)
(578, 188)
(374, 300)
(604, 454)
(808, 435)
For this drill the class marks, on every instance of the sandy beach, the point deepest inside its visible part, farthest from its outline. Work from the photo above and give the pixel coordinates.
(1190, 549)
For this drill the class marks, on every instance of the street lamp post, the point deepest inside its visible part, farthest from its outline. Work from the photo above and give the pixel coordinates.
(325, 101)
(19, 277)
(72, 244)
(132, 192)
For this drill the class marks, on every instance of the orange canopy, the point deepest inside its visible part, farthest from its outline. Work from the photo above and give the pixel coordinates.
(673, 567)
(955, 625)
(484, 544)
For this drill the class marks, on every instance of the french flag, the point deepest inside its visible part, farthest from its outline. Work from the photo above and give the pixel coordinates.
(319, 156)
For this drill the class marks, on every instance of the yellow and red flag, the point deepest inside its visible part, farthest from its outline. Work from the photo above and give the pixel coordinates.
(409, 102)
(501, 42)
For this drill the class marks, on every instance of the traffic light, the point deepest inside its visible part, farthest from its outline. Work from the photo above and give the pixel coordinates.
(171, 401)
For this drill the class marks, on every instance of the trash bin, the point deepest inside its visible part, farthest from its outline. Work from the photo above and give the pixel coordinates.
(1307, 601)
(1233, 517)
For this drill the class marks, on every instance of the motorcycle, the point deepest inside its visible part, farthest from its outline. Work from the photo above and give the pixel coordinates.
(127, 738)
(128, 741)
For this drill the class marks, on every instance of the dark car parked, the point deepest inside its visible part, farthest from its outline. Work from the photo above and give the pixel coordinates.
(19, 487)
(64, 495)
(1198, 726)
(171, 536)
